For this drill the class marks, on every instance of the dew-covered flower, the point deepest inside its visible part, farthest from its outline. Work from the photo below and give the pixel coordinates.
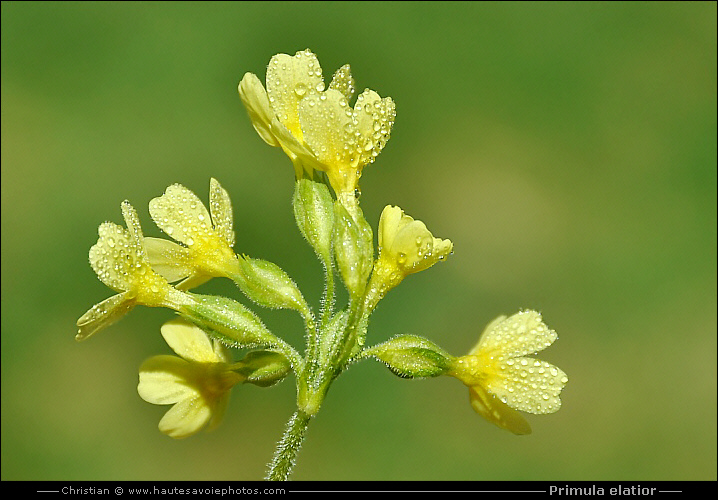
(198, 382)
(206, 237)
(317, 128)
(121, 263)
(406, 246)
(502, 379)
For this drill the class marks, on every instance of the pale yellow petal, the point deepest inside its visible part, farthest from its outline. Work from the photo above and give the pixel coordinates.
(166, 380)
(289, 80)
(219, 410)
(329, 129)
(255, 99)
(375, 118)
(389, 224)
(189, 341)
(168, 259)
(488, 328)
(115, 256)
(409, 242)
(220, 208)
(185, 418)
(221, 353)
(296, 150)
(193, 281)
(521, 334)
(181, 214)
(104, 314)
(343, 81)
(441, 248)
(133, 227)
(493, 410)
(527, 384)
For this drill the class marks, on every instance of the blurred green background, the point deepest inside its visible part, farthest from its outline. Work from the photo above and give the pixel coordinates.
(567, 149)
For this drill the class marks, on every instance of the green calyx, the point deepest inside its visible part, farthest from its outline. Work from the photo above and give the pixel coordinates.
(411, 356)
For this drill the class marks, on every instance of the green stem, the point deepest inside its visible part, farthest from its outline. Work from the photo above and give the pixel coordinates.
(294, 358)
(328, 306)
(284, 458)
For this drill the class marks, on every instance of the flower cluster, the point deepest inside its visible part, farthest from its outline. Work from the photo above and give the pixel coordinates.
(316, 127)
(329, 142)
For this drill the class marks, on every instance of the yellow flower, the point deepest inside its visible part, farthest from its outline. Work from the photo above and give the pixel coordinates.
(315, 127)
(207, 237)
(406, 246)
(197, 383)
(502, 380)
(120, 261)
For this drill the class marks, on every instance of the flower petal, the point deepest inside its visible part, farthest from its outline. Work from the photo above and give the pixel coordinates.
(168, 258)
(521, 334)
(329, 129)
(166, 380)
(181, 214)
(409, 242)
(193, 281)
(493, 410)
(185, 418)
(219, 411)
(220, 208)
(133, 227)
(189, 341)
(375, 117)
(343, 81)
(255, 99)
(103, 315)
(289, 80)
(391, 220)
(488, 328)
(527, 384)
(114, 257)
(296, 150)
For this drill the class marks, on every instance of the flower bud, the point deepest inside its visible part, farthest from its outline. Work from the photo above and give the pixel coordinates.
(410, 356)
(268, 285)
(263, 368)
(314, 213)
(353, 248)
(228, 320)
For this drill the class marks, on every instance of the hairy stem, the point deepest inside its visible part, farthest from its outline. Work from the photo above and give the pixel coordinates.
(284, 458)
(328, 302)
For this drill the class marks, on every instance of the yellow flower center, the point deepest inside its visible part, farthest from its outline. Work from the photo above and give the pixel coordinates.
(150, 288)
(212, 256)
(215, 380)
(472, 370)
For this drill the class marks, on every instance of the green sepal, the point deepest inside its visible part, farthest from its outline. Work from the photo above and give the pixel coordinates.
(266, 284)
(353, 248)
(263, 368)
(411, 356)
(228, 321)
(314, 213)
(331, 336)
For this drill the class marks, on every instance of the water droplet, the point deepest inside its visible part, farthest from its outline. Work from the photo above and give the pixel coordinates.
(300, 89)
